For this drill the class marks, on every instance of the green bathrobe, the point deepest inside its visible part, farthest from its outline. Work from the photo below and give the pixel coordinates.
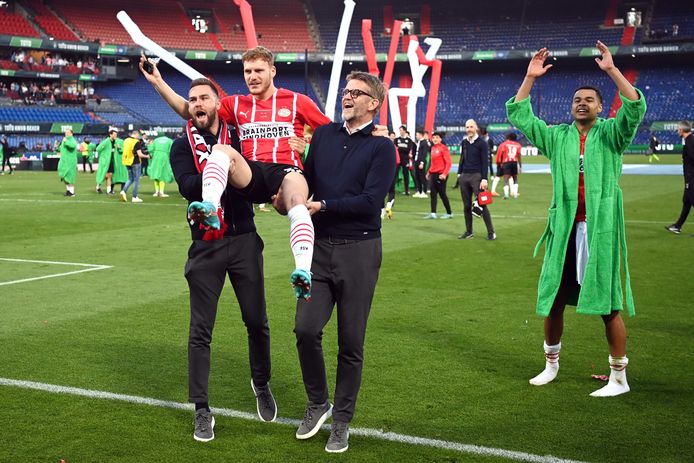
(67, 166)
(120, 173)
(601, 291)
(159, 166)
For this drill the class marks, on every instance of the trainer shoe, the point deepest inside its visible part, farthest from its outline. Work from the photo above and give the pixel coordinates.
(123, 197)
(674, 229)
(301, 282)
(265, 402)
(466, 236)
(423, 195)
(135, 199)
(447, 216)
(338, 441)
(476, 209)
(163, 195)
(98, 189)
(431, 216)
(314, 417)
(205, 213)
(491, 236)
(204, 426)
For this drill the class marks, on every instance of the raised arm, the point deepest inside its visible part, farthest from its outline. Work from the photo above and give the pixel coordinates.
(536, 69)
(607, 65)
(173, 99)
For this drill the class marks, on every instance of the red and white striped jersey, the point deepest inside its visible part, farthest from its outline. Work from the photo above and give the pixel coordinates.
(265, 126)
(508, 151)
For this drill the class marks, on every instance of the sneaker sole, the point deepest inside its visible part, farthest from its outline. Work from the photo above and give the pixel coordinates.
(257, 407)
(336, 451)
(316, 428)
(201, 439)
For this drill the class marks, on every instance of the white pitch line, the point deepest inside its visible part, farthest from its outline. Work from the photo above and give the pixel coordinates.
(77, 201)
(364, 432)
(91, 268)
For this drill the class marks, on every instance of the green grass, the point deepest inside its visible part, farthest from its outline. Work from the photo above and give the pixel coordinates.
(452, 337)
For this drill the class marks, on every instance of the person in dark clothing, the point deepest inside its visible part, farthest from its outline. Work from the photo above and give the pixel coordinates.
(685, 131)
(438, 174)
(387, 211)
(420, 161)
(6, 154)
(472, 177)
(406, 150)
(349, 171)
(235, 252)
(490, 144)
(653, 144)
(133, 150)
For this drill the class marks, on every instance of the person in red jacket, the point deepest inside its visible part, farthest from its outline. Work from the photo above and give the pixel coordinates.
(509, 157)
(438, 175)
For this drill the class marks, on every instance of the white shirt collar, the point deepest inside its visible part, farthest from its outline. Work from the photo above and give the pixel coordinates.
(361, 127)
(473, 138)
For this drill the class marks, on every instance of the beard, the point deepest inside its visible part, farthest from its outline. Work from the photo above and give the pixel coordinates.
(205, 126)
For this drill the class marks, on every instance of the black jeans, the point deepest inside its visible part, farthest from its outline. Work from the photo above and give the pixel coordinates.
(420, 180)
(469, 185)
(438, 187)
(687, 201)
(405, 178)
(209, 262)
(345, 273)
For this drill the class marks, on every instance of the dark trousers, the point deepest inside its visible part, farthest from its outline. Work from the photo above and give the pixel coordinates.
(405, 178)
(6, 160)
(469, 185)
(391, 190)
(344, 275)
(438, 187)
(85, 161)
(209, 262)
(687, 202)
(420, 180)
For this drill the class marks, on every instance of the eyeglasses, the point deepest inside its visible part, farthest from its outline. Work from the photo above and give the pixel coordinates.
(354, 93)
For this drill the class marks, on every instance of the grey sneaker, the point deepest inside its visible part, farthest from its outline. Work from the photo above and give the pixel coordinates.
(314, 417)
(674, 229)
(338, 441)
(466, 236)
(265, 402)
(204, 426)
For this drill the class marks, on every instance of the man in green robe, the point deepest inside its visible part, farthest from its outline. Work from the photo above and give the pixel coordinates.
(67, 165)
(159, 166)
(584, 238)
(111, 168)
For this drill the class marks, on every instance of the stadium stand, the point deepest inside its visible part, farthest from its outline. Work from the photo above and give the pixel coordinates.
(13, 23)
(52, 25)
(32, 114)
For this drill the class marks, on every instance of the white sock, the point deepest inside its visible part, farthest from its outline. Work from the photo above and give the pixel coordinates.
(514, 189)
(617, 383)
(214, 177)
(71, 189)
(495, 183)
(390, 204)
(505, 190)
(301, 236)
(551, 365)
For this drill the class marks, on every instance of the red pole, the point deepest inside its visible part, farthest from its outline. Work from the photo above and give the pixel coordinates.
(248, 23)
(369, 48)
(390, 65)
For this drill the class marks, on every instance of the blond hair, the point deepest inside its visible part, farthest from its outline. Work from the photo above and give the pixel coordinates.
(259, 53)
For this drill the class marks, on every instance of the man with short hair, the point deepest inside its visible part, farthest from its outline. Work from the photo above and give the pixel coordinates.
(67, 165)
(235, 252)
(406, 149)
(270, 124)
(349, 171)
(684, 130)
(420, 160)
(133, 153)
(472, 177)
(585, 235)
(5, 152)
(509, 159)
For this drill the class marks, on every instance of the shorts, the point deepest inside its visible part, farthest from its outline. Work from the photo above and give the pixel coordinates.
(266, 179)
(568, 277)
(509, 168)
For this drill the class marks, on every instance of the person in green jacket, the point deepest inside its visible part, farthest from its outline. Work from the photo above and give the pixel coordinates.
(584, 238)
(159, 166)
(67, 165)
(111, 168)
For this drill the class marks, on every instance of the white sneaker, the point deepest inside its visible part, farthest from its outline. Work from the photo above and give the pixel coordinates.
(123, 197)
(136, 199)
(163, 195)
(547, 375)
(156, 193)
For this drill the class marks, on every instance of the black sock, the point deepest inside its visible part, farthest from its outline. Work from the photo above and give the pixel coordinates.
(201, 405)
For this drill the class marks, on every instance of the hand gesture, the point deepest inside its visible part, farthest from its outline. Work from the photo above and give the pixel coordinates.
(537, 67)
(297, 144)
(606, 62)
(154, 75)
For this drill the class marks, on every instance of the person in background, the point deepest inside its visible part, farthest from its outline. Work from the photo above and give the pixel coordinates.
(67, 166)
(684, 130)
(438, 175)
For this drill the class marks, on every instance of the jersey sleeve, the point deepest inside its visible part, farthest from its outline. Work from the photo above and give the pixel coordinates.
(226, 110)
(500, 151)
(309, 113)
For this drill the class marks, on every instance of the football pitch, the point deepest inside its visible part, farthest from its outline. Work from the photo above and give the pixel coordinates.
(94, 323)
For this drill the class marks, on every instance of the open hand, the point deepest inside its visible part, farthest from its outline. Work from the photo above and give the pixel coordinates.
(537, 67)
(606, 63)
